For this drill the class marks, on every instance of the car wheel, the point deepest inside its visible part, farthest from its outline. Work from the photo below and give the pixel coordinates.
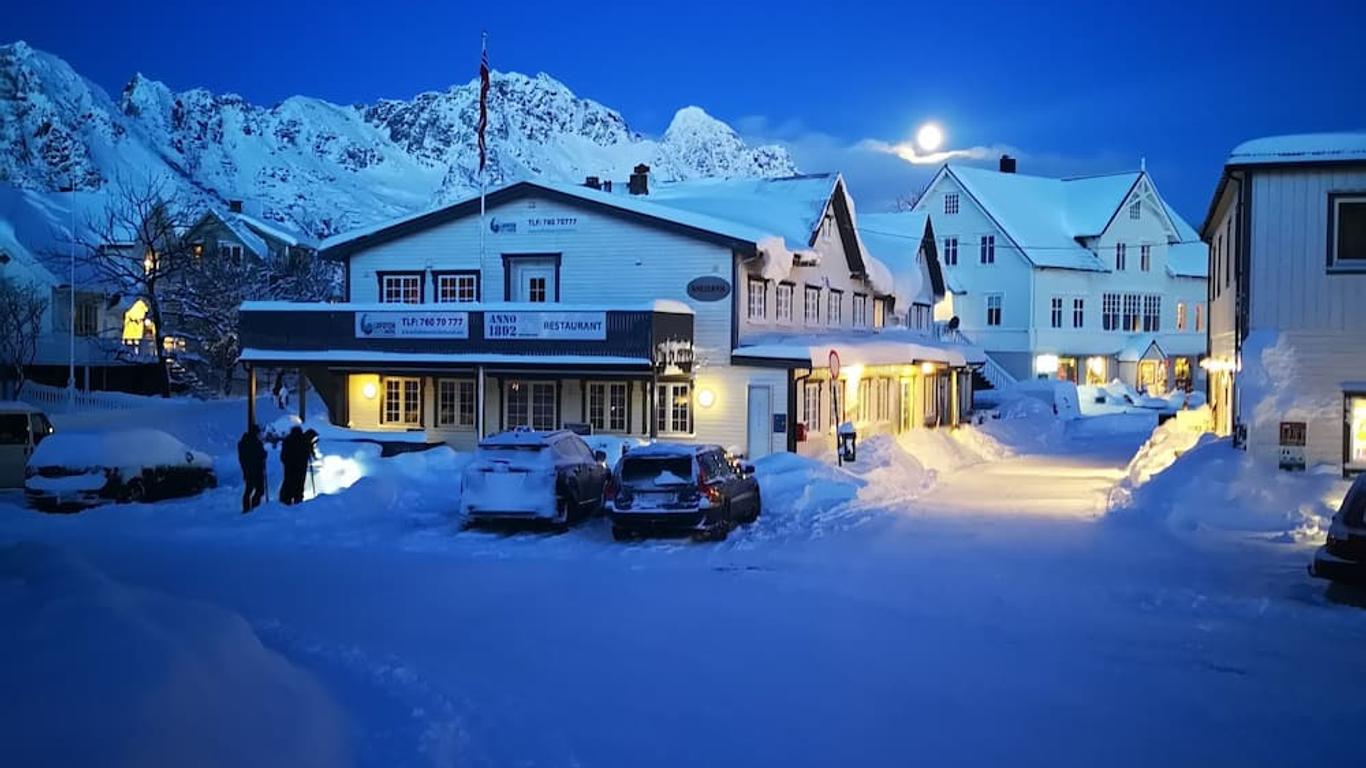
(565, 510)
(134, 492)
(758, 506)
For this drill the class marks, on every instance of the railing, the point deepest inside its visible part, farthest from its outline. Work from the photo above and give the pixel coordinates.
(998, 377)
(61, 400)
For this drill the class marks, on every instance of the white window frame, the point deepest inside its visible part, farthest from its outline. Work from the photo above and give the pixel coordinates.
(1136, 210)
(457, 288)
(858, 310)
(1145, 258)
(608, 402)
(534, 390)
(1110, 312)
(1078, 312)
(986, 249)
(865, 394)
(1152, 313)
(811, 305)
(673, 408)
(452, 396)
(811, 405)
(1337, 262)
(393, 289)
(879, 313)
(950, 203)
(782, 300)
(951, 251)
(403, 396)
(995, 301)
(834, 307)
(1055, 312)
(756, 299)
(1121, 256)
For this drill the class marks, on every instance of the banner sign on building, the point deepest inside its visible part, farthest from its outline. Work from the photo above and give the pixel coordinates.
(412, 325)
(533, 224)
(570, 326)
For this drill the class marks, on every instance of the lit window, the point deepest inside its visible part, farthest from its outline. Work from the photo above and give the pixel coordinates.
(865, 389)
(879, 313)
(1199, 316)
(951, 203)
(457, 288)
(811, 406)
(673, 409)
(784, 302)
(758, 299)
(951, 251)
(1180, 315)
(402, 402)
(401, 289)
(987, 249)
(1132, 316)
(993, 309)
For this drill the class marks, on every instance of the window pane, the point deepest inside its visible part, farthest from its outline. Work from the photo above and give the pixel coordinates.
(1351, 239)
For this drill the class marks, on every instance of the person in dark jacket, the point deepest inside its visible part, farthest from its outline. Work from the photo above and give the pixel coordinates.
(251, 454)
(294, 453)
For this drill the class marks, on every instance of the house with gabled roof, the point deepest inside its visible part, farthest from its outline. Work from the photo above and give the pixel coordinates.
(1086, 279)
(699, 311)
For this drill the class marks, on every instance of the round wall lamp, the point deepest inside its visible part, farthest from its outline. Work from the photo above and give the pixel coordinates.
(706, 398)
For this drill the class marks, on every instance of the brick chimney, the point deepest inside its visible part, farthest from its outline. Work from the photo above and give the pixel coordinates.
(639, 183)
(592, 182)
(235, 206)
(1007, 164)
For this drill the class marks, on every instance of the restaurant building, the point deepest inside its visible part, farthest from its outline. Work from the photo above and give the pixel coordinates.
(698, 311)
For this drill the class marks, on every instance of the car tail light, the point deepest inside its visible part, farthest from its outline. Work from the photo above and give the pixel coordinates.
(710, 491)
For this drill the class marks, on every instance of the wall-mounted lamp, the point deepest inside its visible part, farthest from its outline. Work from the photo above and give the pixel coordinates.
(706, 398)
(368, 390)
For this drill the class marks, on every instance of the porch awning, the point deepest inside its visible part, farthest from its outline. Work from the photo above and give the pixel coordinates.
(892, 347)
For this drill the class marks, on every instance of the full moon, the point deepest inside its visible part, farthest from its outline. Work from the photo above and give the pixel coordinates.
(929, 137)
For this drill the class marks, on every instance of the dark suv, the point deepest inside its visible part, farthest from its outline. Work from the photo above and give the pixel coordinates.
(674, 488)
(1343, 558)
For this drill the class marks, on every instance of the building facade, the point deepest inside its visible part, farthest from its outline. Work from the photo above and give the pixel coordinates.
(699, 311)
(1287, 292)
(1085, 279)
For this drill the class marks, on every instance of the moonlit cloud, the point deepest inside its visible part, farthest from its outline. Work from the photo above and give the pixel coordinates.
(907, 151)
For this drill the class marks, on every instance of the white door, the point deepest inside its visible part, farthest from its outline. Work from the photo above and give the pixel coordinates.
(760, 433)
(533, 281)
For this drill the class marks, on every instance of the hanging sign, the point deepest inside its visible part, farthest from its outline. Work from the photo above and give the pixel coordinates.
(407, 325)
(708, 288)
(582, 326)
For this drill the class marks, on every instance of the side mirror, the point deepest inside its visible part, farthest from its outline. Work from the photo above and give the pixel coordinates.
(600, 456)
(746, 469)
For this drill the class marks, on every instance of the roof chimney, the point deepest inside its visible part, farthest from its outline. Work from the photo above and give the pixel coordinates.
(1007, 164)
(592, 182)
(639, 183)
(606, 185)
(235, 206)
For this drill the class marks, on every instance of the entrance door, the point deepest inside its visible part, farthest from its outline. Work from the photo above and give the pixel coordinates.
(1152, 377)
(1067, 369)
(759, 442)
(533, 280)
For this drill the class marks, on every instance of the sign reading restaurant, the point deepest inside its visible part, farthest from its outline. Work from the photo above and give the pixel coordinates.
(409, 325)
(591, 326)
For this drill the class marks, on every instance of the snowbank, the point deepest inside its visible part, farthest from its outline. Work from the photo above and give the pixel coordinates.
(129, 447)
(802, 496)
(96, 672)
(1205, 483)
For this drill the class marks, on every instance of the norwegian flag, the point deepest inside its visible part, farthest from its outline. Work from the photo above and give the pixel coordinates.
(483, 102)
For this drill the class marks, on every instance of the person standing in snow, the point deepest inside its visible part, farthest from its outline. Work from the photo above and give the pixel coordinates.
(251, 455)
(294, 452)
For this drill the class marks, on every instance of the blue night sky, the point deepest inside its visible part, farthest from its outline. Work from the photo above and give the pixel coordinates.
(1070, 88)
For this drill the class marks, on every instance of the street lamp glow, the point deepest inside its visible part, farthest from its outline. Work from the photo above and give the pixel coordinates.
(930, 137)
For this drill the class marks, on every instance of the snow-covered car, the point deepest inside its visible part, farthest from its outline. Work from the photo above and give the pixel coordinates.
(676, 488)
(22, 428)
(523, 474)
(1343, 556)
(70, 471)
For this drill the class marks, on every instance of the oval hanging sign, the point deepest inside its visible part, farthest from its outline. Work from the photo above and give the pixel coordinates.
(708, 288)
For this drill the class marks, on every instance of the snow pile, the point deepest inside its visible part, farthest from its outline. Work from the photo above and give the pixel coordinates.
(137, 447)
(1166, 445)
(1212, 485)
(1272, 389)
(803, 496)
(891, 472)
(99, 673)
(947, 450)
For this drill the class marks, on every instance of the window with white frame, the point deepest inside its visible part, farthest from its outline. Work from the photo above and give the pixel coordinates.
(531, 404)
(455, 403)
(673, 408)
(865, 396)
(1347, 231)
(1109, 312)
(1199, 316)
(457, 287)
(1135, 210)
(879, 313)
(859, 311)
(951, 203)
(1121, 256)
(987, 249)
(1055, 312)
(811, 406)
(1145, 258)
(811, 305)
(1180, 315)
(402, 405)
(1152, 313)
(402, 288)
(951, 251)
(883, 390)
(834, 307)
(783, 302)
(993, 309)
(1133, 303)
(607, 406)
(1078, 312)
(758, 299)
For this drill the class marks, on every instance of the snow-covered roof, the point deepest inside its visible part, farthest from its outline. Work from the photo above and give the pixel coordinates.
(791, 207)
(21, 264)
(889, 347)
(1301, 148)
(249, 239)
(277, 231)
(1136, 346)
(895, 239)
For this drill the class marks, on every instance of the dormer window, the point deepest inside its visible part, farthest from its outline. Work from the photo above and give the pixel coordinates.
(1135, 210)
(827, 226)
(951, 203)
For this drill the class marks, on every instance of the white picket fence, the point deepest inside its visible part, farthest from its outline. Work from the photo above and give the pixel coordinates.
(61, 400)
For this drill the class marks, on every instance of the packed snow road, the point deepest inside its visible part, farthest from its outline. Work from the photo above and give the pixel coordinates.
(982, 616)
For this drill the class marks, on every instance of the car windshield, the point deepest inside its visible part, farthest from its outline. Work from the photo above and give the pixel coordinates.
(13, 428)
(656, 470)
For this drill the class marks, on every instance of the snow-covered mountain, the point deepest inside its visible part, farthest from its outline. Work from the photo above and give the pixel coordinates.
(325, 167)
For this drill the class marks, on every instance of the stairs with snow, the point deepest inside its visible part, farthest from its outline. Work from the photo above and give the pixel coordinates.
(991, 375)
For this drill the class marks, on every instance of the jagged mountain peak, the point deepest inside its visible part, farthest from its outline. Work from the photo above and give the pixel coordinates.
(330, 167)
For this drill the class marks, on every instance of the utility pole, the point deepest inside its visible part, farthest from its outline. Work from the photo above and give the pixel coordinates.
(71, 330)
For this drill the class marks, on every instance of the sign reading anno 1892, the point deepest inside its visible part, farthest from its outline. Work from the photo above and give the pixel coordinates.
(408, 325)
(588, 326)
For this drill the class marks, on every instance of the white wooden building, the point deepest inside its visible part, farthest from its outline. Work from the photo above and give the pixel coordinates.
(1087, 279)
(699, 310)
(1287, 335)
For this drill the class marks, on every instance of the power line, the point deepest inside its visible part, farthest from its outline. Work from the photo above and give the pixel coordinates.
(1012, 243)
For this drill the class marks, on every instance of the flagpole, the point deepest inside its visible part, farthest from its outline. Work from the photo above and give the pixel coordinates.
(483, 124)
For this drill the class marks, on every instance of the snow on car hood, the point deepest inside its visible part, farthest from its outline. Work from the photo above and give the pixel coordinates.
(118, 448)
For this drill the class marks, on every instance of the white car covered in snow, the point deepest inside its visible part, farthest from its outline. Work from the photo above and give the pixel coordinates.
(523, 474)
(73, 470)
